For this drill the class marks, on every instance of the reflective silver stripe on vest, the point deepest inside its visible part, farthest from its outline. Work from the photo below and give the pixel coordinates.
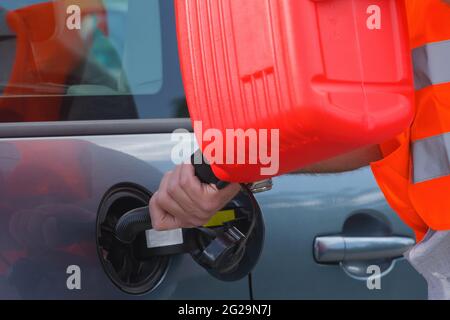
(431, 64)
(431, 158)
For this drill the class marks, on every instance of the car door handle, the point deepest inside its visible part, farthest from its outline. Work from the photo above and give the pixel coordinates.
(335, 249)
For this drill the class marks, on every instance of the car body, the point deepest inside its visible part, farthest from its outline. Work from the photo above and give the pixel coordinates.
(107, 123)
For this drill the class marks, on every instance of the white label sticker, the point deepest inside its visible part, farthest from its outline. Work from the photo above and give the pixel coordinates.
(157, 239)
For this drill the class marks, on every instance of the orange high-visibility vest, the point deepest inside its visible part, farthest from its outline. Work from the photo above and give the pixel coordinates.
(415, 172)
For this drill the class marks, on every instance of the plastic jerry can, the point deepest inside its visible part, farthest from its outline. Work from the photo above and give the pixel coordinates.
(321, 77)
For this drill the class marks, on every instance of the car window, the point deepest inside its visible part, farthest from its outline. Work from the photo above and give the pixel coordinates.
(89, 60)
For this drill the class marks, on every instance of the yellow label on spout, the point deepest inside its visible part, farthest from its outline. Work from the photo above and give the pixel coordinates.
(220, 218)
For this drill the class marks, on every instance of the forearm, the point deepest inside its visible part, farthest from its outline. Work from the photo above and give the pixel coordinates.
(346, 162)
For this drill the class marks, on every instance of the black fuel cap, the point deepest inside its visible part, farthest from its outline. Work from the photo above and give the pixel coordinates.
(235, 249)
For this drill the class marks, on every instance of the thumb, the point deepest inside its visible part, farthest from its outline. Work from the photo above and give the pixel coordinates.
(225, 194)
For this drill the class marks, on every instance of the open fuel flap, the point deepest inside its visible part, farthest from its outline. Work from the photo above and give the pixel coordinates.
(136, 257)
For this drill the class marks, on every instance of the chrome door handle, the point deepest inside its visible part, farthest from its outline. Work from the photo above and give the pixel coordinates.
(335, 249)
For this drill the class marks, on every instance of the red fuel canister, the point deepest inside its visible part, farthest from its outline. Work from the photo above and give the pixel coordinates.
(321, 77)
